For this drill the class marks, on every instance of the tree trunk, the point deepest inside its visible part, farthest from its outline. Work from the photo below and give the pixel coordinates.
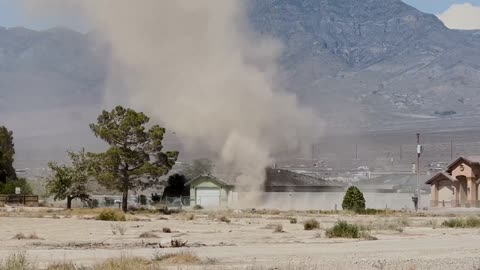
(69, 201)
(125, 200)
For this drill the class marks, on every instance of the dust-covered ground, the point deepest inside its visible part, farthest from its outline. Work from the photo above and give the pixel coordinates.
(241, 239)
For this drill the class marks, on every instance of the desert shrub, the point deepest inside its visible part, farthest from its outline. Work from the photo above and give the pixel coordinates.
(166, 230)
(278, 228)
(111, 215)
(63, 266)
(343, 229)
(293, 220)
(16, 261)
(21, 236)
(143, 199)
(148, 235)
(224, 219)
(197, 207)
(121, 229)
(10, 185)
(125, 262)
(470, 222)
(177, 258)
(311, 224)
(354, 200)
(190, 217)
(176, 243)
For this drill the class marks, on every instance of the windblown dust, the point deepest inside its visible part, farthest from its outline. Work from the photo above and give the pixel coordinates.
(198, 68)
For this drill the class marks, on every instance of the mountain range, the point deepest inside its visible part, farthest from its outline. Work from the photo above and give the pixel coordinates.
(377, 64)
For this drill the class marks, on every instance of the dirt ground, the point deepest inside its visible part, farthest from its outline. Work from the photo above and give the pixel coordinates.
(248, 241)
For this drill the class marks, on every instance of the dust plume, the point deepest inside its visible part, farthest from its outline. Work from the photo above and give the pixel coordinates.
(198, 68)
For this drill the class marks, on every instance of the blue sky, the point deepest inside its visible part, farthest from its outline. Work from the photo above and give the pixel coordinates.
(437, 6)
(12, 14)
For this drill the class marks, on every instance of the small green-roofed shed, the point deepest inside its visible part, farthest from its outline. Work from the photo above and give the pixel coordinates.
(209, 191)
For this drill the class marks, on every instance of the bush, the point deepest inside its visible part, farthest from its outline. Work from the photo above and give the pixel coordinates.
(293, 220)
(10, 185)
(354, 200)
(224, 219)
(16, 261)
(167, 230)
(121, 229)
(197, 207)
(148, 235)
(111, 215)
(143, 200)
(344, 230)
(311, 224)
(470, 222)
(93, 203)
(278, 228)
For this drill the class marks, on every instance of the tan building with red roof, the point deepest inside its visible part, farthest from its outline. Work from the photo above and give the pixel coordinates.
(458, 185)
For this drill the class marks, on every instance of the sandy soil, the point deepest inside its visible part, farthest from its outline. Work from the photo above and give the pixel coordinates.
(421, 243)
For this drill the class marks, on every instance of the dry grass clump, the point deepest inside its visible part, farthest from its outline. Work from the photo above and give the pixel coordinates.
(311, 224)
(177, 258)
(166, 230)
(470, 222)
(177, 243)
(120, 228)
(343, 229)
(432, 223)
(16, 261)
(292, 220)
(278, 228)
(111, 215)
(224, 219)
(190, 217)
(127, 263)
(32, 236)
(148, 235)
(197, 207)
(64, 266)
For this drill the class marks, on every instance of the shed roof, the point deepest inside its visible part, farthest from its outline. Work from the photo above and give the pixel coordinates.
(210, 177)
(440, 176)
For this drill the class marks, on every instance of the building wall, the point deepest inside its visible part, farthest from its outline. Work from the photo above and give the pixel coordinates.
(224, 192)
(328, 200)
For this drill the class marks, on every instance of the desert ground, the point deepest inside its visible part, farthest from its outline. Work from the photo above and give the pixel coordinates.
(239, 239)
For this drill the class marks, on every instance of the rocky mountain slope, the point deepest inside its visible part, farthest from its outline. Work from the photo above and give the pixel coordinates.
(370, 63)
(381, 57)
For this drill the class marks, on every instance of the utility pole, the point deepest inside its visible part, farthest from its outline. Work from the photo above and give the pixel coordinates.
(401, 150)
(356, 151)
(419, 152)
(451, 149)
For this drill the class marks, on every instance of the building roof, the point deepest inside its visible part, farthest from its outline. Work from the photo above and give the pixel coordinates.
(282, 177)
(404, 181)
(470, 161)
(210, 177)
(440, 176)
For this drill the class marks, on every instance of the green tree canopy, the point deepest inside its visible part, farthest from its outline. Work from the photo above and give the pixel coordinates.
(354, 200)
(135, 159)
(7, 153)
(176, 186)
(199, 167)
(11, 184)
(69, 181)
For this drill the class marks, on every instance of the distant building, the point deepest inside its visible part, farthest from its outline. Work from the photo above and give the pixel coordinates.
(458, 185)
(212, 192)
